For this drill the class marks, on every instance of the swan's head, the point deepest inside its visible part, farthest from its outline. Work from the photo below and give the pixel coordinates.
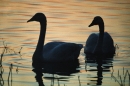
(39, 17)
(96, 21)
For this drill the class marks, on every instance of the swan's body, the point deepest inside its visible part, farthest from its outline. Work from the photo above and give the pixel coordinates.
(99, 43)
(53, 51)
(61, 51)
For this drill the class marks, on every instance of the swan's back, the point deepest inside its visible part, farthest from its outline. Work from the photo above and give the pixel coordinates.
(108, 45)
(91, 43)
(50, 45)
(61, 51)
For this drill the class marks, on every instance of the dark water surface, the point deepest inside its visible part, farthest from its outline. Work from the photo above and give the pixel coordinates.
(66, 21)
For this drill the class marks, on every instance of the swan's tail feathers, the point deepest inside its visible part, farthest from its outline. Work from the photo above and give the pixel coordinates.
(81, 46)
(77, 50)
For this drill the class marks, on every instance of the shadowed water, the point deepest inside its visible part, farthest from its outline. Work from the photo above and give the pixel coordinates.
(66, 21)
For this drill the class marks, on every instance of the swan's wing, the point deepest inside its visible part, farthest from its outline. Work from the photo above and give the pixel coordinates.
(107, 39)
(108, 44)
(63, 52)
(50, 46)
(91, 43)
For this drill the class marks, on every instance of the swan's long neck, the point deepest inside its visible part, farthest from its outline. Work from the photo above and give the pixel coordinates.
(39, 47)
(101, 34)
(98, 48)
(41, 37)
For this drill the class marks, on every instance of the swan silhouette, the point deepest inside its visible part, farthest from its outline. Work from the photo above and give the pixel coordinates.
(99, 43)
(53, 51)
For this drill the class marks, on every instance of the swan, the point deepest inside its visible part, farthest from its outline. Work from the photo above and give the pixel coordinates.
(99, 43)
(53, 51)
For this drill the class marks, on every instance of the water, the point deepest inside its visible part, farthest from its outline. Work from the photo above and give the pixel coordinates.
(66, 21)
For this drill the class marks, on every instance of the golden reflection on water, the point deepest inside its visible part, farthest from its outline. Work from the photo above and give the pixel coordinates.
(66, 21)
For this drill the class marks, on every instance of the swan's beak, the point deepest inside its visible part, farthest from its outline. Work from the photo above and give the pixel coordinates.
(90, 25)
(30, 20)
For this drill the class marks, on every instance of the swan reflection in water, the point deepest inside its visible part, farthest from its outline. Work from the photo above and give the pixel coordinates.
(103, 64)
(68, 68)
(60, 68)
